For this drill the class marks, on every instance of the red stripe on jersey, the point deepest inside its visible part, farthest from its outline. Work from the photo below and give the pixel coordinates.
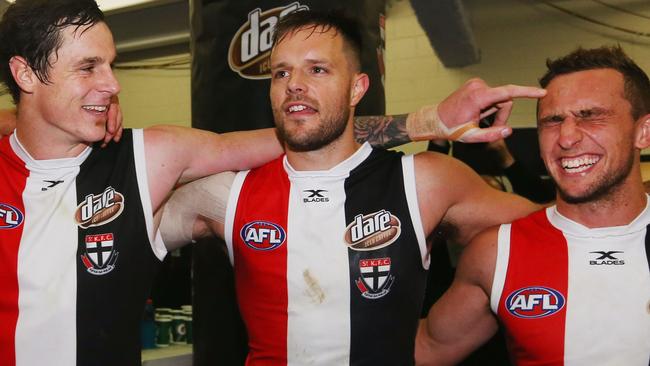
(530, 308)
(260, 261)
(13, 178)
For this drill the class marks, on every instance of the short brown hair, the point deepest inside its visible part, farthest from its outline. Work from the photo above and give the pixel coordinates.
(636, 83)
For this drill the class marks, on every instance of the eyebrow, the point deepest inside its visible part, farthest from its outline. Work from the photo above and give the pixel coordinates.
(283, 64)
(89, 60)
(552, 117)
(594, 110)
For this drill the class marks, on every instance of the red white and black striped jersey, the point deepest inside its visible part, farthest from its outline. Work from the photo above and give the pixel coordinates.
(570, 295)
(77, 255)
(330, 266)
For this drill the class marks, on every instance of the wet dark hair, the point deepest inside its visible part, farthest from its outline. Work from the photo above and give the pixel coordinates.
(636, 83)
(322, 22)
(32, 29)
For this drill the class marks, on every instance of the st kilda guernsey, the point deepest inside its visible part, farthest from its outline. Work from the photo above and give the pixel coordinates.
(77, 255)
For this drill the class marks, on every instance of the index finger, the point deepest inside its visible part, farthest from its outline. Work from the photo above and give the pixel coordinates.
(508, 92)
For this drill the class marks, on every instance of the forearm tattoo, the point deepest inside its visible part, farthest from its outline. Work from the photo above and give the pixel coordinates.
(381, 131)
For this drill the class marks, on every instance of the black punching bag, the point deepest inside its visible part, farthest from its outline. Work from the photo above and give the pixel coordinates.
(231, 44)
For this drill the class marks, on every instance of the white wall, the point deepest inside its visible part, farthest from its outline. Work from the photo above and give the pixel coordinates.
(515, 38)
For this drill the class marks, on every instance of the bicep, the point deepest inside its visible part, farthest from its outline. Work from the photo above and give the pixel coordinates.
(473, 205)
(484, 208)
(461, 320)
(196, 210)
(179, 154)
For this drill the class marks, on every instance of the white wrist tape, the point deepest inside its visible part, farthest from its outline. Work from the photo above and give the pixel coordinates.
(206, 197)
(425, 124)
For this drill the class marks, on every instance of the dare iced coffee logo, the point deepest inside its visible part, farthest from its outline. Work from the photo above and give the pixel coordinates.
(96, 210)
(372, 231)
(250, 48)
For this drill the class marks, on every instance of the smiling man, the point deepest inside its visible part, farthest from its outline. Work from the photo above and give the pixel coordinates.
(328, 241)
(78, 250)
(570, 284)
(78, 243)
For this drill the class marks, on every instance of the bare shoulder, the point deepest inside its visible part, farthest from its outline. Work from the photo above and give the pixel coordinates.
(442, 182)
(159, 135)
(478, 261)
(443, 170)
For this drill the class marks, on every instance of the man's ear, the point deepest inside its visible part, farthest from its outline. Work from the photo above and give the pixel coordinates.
(23, 74)
(642, 132)
(359, 87)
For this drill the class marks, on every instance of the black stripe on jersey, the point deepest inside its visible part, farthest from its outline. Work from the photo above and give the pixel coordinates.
(383, 326)
(647, 250)
(110, 303)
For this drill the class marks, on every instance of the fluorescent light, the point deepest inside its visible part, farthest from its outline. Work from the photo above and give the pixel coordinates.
(109, 5)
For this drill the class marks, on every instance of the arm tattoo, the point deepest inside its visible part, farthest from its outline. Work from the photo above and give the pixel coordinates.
(381, 131)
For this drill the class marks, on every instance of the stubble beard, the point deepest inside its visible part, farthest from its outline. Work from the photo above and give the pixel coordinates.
(330, 129)
(602, 188)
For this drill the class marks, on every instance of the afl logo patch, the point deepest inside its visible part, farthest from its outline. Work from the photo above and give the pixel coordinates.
(263, 235)
(372, 231)
(10, 216)
(534, 302)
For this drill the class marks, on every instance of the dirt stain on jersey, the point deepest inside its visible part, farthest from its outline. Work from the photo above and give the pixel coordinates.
(314, 291)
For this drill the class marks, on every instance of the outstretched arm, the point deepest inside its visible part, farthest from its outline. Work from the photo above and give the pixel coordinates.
(382, 131)
(196, 210)
(179, 154)
(455, 118)
(461, 320)
(469, 205)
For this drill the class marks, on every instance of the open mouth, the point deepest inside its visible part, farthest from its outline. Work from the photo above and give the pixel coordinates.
(95, 108)
(300, 108)
(579, 164)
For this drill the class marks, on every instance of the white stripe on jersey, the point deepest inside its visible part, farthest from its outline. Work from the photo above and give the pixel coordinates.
(157, 244)
(501, 266)
(48, 246)
(231, 209)
(607, 309)
(317, 270)
(411, 192)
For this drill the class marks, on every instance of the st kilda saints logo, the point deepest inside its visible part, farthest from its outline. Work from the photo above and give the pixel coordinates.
(373, 231)
(375, 280)
(250, 48)
(100, 255)
(96, 210)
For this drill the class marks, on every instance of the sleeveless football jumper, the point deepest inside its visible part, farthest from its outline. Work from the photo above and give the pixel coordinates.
(330, 266)
(78, 255)
(570, 295)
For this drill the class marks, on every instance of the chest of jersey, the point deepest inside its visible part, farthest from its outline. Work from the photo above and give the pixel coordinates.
(330, 262)
(572, 299)
(77, 255)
